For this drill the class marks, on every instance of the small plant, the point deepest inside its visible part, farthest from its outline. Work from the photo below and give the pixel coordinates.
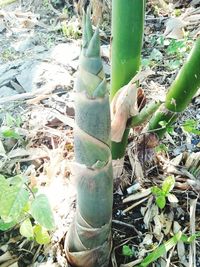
(20, 205)
(165, 125)
(9, 54)
(70, 30)
(127, 251)
(10, 128)
(46, 3)
(177, 48)
(161, 250)
(164, 192)
(191, 126)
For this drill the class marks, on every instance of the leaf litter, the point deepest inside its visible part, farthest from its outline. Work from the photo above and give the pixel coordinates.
(43, 152)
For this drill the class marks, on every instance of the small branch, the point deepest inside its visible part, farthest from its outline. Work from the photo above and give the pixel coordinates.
(30, 190)
(127, 225)
(145, 114)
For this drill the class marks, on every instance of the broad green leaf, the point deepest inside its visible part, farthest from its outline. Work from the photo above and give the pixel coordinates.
(174, 64)
(161, 201)
(17, 180)
(176, 47)
(12, 202)
(41, 212)
(41, 235)
(156, 191)
(4, 185)
(168, 184)
(9, 133)
(161, 250)
(191, 126)
(26, 229)
(127, 251)
(5, 226)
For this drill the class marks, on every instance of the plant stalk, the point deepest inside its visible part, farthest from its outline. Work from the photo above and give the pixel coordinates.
(127, 35)
(180, 93)
(88, 242)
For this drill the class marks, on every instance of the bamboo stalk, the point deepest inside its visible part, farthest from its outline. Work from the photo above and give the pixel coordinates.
(180, 93)
(88, 241)
(127, 35)
(145, 114)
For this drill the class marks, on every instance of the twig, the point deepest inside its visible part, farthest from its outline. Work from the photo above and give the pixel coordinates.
(192, 254)
(127, 225)
(135, 204)
(24, 96)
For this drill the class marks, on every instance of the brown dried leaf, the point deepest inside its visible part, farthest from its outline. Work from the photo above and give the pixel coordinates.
(132, 263)
(10, 263)
(30, 153)
(158, 226)
(195, 2)
(118, 165)
(172, 198)
(123, 106)
(5, 257)
(175, 28)
(138, 171)
(97, 7)
(139, 195)
(192, 253)
(151, 212)
(142, 75)
(141, 99)
(177, 160)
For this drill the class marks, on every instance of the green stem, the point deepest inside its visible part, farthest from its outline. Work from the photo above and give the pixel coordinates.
(127, 36)
(186, 83)
(180, 93)
(145, 113)
(142, 117)
(118, 149)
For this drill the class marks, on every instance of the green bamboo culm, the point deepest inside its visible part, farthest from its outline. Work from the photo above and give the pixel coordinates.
(126, 46)
(88, 242)
(180, 93)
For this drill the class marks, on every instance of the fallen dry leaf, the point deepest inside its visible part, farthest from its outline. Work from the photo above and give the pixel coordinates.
(175, 28)
(139, 195)
(192, 253)
(195, 2)
(118, 165)
(123, 106)
(132, 263)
